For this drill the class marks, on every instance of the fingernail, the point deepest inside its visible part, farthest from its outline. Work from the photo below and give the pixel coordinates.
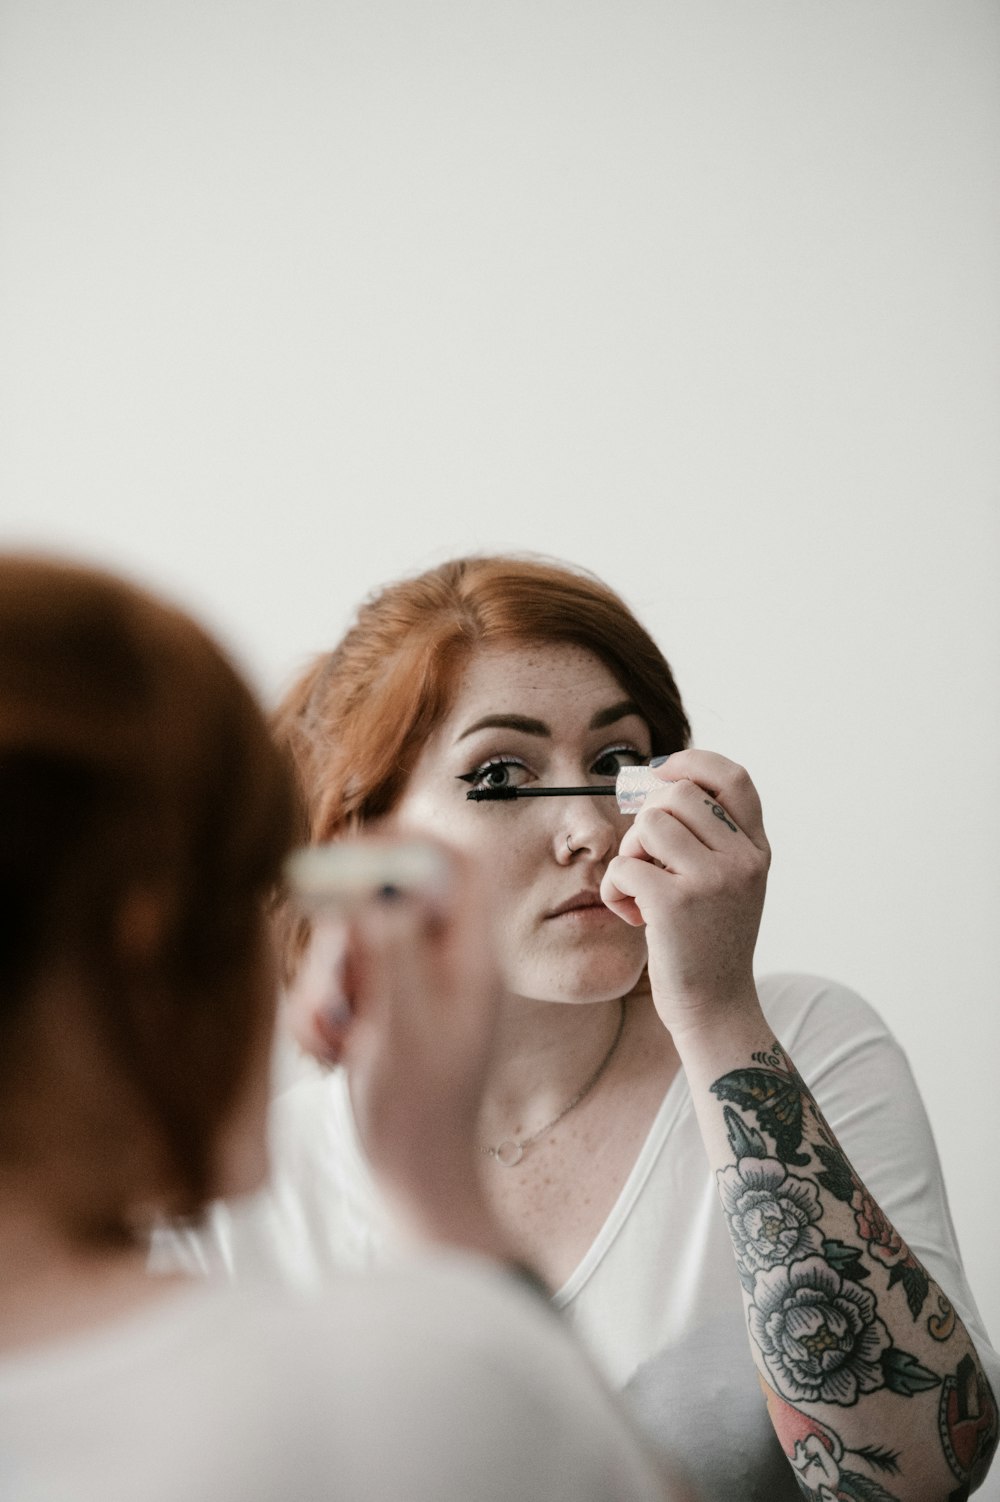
(657, 761)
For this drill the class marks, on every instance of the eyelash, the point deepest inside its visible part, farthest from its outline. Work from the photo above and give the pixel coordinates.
(477, 777)
(625, 748)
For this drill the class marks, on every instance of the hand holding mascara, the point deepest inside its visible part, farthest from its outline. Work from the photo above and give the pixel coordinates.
(335, 885)
(399, 983)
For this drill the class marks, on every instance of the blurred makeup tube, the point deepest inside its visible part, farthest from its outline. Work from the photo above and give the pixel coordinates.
(347, 874)
(332, 885)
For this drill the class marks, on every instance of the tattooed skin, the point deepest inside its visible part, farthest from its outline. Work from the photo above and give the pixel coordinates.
(941, 1325)
(813, 1309)
(720, 813)
(784, 1108)
(822, 1464)
(967, 1420)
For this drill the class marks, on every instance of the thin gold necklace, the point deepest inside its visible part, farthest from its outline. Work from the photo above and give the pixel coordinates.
(510, 1151)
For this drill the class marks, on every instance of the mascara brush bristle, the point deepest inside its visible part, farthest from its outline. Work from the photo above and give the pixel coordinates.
(500, 795)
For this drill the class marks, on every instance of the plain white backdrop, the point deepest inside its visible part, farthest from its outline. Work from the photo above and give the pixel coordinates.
(300, 296)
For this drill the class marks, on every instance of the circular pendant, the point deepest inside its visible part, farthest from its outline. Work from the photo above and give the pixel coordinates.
(509, 1153)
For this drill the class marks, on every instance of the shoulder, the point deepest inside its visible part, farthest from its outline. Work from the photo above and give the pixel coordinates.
(462, 1379)
(403, 1386)
(797, 999)
(445, 1313)
(817, 1019)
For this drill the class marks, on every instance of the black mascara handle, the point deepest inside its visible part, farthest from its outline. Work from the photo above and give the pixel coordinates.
(503, 795)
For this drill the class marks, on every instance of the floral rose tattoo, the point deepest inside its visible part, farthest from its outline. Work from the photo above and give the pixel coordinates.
(816, 1326)
(771, 1214)
(882, 1239)
(818, 1333)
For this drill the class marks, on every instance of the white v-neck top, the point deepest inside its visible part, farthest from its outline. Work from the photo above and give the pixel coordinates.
(656, 1297)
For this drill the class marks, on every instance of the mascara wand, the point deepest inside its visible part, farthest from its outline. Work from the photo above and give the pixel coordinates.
(501, 795)
(630, 788)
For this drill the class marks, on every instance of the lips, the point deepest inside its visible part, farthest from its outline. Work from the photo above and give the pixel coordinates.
(578, 903)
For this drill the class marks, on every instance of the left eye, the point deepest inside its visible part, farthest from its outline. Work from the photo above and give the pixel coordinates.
(611, 761)
(498, 772)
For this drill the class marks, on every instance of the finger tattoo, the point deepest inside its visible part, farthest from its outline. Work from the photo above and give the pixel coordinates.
(720, 813)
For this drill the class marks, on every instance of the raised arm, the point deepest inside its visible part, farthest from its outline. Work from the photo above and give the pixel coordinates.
(873, 1385)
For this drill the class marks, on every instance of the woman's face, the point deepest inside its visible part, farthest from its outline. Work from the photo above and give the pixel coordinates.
(546, 715)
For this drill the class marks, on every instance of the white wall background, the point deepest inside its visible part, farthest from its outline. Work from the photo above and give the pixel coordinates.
(298, 296)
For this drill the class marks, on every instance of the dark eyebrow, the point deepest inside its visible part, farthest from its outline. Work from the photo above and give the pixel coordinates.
(616, 712)
(538, 727)
(507, 722)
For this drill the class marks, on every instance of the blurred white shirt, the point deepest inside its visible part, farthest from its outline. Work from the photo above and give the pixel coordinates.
(424, 1383)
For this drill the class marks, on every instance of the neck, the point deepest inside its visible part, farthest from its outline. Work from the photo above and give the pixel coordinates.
(54, 1287)
(546, 1050)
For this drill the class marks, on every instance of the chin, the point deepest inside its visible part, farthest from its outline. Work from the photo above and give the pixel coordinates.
(589, 981)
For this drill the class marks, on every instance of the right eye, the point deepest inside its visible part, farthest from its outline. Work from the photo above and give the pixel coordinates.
(498, 772)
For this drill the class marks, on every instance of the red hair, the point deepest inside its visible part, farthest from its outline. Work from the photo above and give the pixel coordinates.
(135, 767)
(358, 718)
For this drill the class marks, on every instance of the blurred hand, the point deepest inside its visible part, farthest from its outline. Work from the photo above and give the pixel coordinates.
(403, 990)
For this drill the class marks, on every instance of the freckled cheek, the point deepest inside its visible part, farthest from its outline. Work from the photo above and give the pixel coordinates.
(516, 859)
(511, 903)
(515, 895)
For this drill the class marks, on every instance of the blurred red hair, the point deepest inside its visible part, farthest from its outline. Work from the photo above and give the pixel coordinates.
(145, 811)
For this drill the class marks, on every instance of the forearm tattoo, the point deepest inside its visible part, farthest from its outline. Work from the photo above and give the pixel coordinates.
(813, 1311)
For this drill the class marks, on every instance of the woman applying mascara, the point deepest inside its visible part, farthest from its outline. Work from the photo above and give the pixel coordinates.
(645, 1135)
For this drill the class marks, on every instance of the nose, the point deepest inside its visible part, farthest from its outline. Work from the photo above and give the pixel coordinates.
(587, 827)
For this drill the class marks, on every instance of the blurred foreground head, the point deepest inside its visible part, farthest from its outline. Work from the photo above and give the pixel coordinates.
(144, 815)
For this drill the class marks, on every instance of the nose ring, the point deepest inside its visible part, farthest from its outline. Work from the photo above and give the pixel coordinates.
(569, 847)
